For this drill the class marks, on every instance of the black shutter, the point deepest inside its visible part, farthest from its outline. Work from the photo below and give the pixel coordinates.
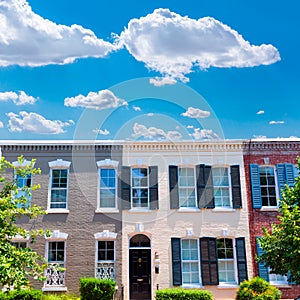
(209, 187)
(209, 261)
(236, 186)
(153, 187)
(176, 261)
(241, 259)
(200, 185)
(173, 181)
(125, 177)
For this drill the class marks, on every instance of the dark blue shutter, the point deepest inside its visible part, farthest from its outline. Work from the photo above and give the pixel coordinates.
(173, 182)
(290, 174)
(176, 261)
(255, 186)
(236, 186)
(263, 270)
(281, 178)
(153, 187)
(125, 194)
(209, 261)
(241, 259)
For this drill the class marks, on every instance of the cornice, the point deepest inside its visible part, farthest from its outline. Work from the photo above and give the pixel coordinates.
(261, 146)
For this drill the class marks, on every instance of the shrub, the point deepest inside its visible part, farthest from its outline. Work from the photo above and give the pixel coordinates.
(21, 295)
(182, 294)
(50, 296)
(94, 289)
(257, 289)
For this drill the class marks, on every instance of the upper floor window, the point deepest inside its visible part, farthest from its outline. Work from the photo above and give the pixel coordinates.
(58, 191)
(205, 187)
(140, 187)
(268, 181)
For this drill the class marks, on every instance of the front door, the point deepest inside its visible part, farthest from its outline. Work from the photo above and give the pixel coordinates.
(140, 274)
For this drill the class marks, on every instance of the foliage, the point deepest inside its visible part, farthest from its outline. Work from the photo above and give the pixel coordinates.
(257, 289)
(182, 294)
(94, 288)
(21, 295)
(281, 245)
(59, 297)
(18, 264)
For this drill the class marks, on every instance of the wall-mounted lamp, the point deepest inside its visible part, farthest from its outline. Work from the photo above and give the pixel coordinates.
(156, 262)
(266, 160)
(224, 232)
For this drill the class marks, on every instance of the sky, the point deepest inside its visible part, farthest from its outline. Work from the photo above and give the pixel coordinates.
(149, 70)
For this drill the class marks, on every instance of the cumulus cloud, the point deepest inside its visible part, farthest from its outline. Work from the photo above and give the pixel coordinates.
(204, 134)
(136, 108)
(260, 112)
(20, 98)
(276, 122)
(196, 113)
(172, 44)
(153, 133)
(97, 100)
(150, 114)
(27, 39)
(34, 123)
(160, 81)
(189, 126)
(101, 132)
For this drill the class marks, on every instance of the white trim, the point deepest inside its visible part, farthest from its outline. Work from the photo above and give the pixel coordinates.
(24, 164)
(276, 187)
(55, 289)
(59, 164)
(107, 211)
(57, 211)
(19, 238)
(56, 235)
(107, 163)
(105, 235)
(137, 208)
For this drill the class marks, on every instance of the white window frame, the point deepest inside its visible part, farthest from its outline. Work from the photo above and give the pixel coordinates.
(105, 236)
(20, 239)
(191, 285)
(273, 279)
(56, 236)
(58, 164)
(187, 187)
(276, 187)
(140, 187)
(235, 282)
(229, 186)
(107, 164)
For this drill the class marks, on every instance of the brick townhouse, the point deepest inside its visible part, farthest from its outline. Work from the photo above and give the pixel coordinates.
(269, 165)
(152, 215)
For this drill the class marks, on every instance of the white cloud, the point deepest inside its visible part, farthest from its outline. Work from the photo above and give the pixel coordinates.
(276, 122)
(160, 81)
(27, 39)
(150, 114)
(260, 112)
(97, 100)
(204, 134)
(172, 45)
(136, 108)
(1, 125)
(260, 136)
(102, 132)
(154, 133)
(189, 126)
(35, 123)
(19, 99)
(196, 113)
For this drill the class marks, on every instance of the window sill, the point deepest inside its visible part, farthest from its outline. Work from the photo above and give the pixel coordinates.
(107, 211)
(188, 209)
(227, 286)
(140, 210)
(223, 209)
(281, 285)
(55, 289)
(269, 208)
(192, 286)
(57, 211)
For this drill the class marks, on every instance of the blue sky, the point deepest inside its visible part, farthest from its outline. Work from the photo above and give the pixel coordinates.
(149, 70)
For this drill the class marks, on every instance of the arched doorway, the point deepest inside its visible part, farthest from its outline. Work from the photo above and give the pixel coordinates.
(140, 267)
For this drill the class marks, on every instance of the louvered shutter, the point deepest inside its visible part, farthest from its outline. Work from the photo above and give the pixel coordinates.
(255, 186)
(153, 187)
(200, 186)
(263, 270)
(125, 194)
(236, 186)
(241, 259)
(209, 187)
(173, 182)
(209, 261)
(281, 178)
(176, 261)
(290, 174)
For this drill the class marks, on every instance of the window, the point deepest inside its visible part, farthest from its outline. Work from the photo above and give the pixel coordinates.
(59, 188)
(20, 245)
(23, 183)
(108, 184)
(277, 279)
(139, 181)
(221, 187)
(267, 186)
(186, 182)
(226, 261)
(190, 262)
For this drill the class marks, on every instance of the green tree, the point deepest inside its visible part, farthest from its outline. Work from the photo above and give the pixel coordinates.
(281, 244)
(17, 265)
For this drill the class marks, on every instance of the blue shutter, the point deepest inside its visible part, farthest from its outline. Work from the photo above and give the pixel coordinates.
(255, 186)
(263, 270)
(280, 168)
(176, 261)
(289, 174)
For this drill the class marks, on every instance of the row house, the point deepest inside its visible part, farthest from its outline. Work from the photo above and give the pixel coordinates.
(153, 215)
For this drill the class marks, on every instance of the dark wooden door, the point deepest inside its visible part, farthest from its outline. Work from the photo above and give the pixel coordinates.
(140, 274)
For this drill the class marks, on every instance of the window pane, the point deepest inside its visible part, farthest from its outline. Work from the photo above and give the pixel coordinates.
(221, 187)
(226, 260)
(268, 186)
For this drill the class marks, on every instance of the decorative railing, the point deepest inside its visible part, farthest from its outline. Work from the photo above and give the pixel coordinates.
(55, 275)
(105, 270)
